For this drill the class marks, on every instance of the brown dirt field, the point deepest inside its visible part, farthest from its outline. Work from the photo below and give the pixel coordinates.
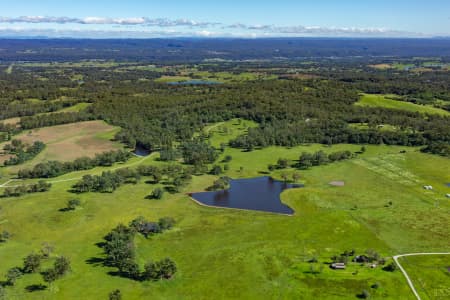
(381, 66)
(10, 121)
(4, 157)
(70, 141)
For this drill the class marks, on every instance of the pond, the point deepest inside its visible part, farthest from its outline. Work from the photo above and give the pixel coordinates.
(194, 82)
(261, 194)
(141, 151)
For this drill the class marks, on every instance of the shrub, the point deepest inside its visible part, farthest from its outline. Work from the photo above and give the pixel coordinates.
(115, 295)
(73, 203)
(12, 275)
(157, 193)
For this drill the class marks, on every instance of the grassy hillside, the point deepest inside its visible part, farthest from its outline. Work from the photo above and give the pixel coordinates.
(226, 254)
(384, 101)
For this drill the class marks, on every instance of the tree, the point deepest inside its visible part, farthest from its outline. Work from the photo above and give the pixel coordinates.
(227, 158)
(73, 203)
(61, 265)
(305, 160)
(2, 293)
(4, 236)
(32, 263)
(295, 176)
(129, 268)
(364, 295)
(151, 271)
(282, 163)
(115, 295)
(50, 275)
(157, 193)
(284, 175)
(47, 249)
(216, 170)
(12, 275)
(391, 267)
(163, 269)
(166, 223)
(168, 268)
(220, 184)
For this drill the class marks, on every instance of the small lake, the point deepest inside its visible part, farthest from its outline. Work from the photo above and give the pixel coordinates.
(141, 151)
(194, 82)
(261, 194)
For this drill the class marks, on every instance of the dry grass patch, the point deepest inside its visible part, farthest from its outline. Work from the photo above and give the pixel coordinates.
(11, 121)
(381, 66)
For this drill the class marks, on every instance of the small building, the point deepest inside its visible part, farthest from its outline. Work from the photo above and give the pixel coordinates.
(338, 266)
(428, 187)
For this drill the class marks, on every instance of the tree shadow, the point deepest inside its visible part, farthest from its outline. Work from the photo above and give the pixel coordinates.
(96, 261)
(66, 209)
(35, 287)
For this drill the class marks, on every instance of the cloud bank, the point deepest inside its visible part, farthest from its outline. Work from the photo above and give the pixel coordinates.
(144, 27)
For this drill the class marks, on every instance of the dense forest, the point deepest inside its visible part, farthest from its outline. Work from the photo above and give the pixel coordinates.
(289, 109)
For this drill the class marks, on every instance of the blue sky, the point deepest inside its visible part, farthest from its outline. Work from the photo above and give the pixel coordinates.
(246, 18)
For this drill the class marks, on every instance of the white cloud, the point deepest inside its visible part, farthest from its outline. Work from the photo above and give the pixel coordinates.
(161, 22)
(209, 29)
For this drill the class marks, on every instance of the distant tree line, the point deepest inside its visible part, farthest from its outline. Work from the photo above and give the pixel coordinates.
(54, 119)
(56, 168)
(288, 112)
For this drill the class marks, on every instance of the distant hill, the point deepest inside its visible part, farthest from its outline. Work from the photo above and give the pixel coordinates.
(194, 49)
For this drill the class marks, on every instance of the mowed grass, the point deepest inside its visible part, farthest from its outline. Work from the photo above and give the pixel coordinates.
(430, 275)
(223, 132)
(373, 100)
(231, 254)
(69, 141)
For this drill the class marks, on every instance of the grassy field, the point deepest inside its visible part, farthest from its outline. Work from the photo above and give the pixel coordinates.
(429, 274)
(373, 100)
(228, 254)
(224, 77)
(69, 141)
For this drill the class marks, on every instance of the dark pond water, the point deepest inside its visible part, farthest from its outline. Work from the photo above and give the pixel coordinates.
(261, 193)
(193, 82)
(141, 151)
(448, 184)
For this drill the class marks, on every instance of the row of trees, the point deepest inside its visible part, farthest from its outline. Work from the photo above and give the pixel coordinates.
(17, 191)
(107, 182)
(56, 168)
(120, 250)
(442, 149)
(22, 152)
(306, 160)
(54, 119)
